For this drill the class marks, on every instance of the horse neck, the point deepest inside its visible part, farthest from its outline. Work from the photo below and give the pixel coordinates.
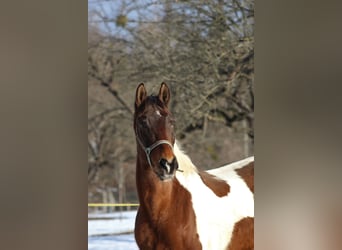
(151, 191)
(155, 195)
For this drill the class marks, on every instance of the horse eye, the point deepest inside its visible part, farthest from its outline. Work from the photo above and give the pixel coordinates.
(142, 119)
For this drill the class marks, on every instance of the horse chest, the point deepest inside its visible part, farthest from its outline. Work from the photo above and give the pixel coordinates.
(167, 223)
(166, 233)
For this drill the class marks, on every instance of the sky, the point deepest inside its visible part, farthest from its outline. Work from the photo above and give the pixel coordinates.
(113, 8)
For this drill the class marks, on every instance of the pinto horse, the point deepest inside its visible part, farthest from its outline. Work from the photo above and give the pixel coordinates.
(182, 207)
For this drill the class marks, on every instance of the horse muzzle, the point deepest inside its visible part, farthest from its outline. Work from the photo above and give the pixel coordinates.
(167, 169)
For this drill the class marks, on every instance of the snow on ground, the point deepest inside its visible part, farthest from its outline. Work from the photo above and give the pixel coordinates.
(115, 242)
(111, 231)
(111, 223)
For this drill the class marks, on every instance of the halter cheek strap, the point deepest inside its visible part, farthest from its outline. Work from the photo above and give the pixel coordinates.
(149, 149)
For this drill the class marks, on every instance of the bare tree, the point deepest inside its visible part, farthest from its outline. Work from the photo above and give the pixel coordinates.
(204, 50)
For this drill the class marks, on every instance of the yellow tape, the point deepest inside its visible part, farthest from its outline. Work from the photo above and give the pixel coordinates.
(112, 205)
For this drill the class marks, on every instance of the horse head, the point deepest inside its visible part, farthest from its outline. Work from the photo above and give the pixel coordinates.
(154, 131)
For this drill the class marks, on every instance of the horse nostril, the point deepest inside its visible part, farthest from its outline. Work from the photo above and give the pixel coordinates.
(169, 167)
(164, 164)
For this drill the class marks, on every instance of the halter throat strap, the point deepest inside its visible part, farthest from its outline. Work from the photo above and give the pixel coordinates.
(149, 149)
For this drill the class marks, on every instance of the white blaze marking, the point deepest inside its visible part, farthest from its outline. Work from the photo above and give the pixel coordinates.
(216, 216)
(158, 113)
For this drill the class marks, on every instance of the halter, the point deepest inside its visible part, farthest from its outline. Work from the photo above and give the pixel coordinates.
(149, 149)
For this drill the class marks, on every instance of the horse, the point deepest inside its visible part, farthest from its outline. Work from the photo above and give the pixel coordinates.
(182, 207)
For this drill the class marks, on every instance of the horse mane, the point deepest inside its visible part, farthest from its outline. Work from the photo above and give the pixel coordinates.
(184, 161)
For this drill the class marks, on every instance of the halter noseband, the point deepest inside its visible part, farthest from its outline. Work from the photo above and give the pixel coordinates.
(149, 149)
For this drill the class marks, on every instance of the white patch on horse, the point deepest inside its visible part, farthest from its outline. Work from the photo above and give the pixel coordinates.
(158, 113)
(215, 216)
(223, 171)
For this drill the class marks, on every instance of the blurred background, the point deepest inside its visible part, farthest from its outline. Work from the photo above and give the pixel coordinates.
(203, 50)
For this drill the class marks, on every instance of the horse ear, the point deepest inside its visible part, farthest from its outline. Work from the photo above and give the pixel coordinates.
(164, 93)
(140, 94)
